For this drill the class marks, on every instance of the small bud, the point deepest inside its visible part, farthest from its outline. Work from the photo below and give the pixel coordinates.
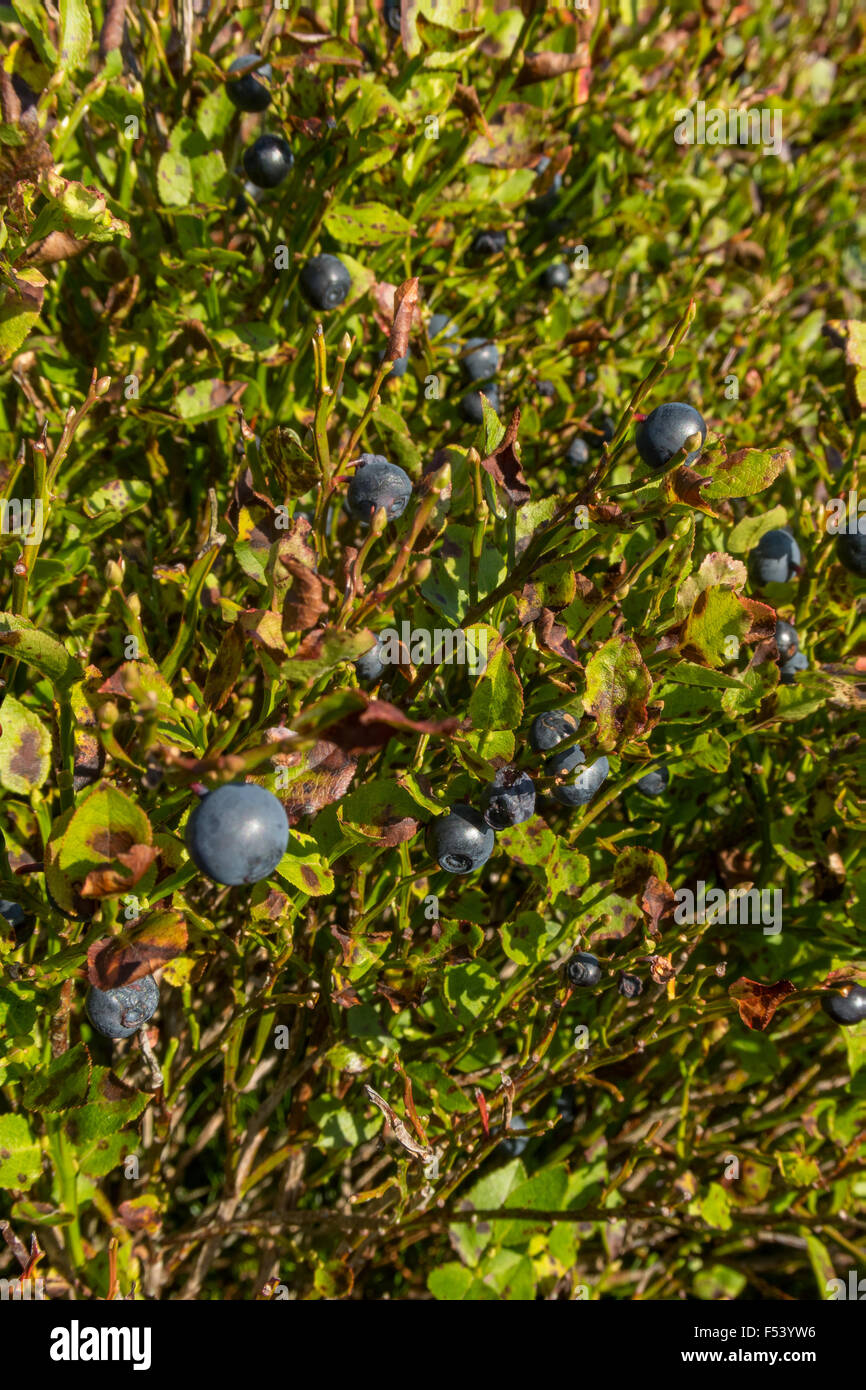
(420, 572)
(102, 386)
(133, 603)
(622, 592)
(114, 572)
(682, 528)
(108, 714)
(345, 348)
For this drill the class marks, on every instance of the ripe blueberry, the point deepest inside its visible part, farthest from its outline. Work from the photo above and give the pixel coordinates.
(851, 552)
(392, 16)
(460, 842)
(370, 667)
(23, 925)
(488, 243)
(440, 325)
(550, 728)
(482, 361)
(325, 282)
(775, 559)
(378, 483)
(847, 1007)
(583, 969)
(248, 92)
(556, 277)
(544, 204)
(666, 430)
(583, 784)
(237, 834)
(787, 641)
(654, 783)
(577, 453)
(788, 669)
(267, 161)
(509, 799)
(546, 389)
(120, 1012)
(630, 986)
(470, 405)
(513, 1148)
(398, 366)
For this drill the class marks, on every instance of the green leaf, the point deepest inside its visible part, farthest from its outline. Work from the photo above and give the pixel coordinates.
(76, 33)
(20, 310)
(25, 748)
(451, 1282)
(60, 1084)
(469, 989)
(302, 866)
(719, 1282)
(174, 179)
(34, 19)
(714, 1208)
(24, 642)
(20, 1156)
(748, 532)
(78, 209)
(488, 1194)
(105, 823)
(497, 700)
(366, 224)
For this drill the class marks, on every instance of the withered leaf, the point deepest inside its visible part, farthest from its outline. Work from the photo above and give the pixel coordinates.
(306, 600)
(373, 727)
(143, 948)
(504, 467)
(538, 67)
(405, 304)
(327, 775)
(226, 668)
(661, 969)
(758, 1003)
(658, 901)
(554, 638)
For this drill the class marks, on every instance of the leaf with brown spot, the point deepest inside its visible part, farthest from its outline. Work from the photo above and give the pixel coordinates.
(684, 485)
(143, 948)
(618, 686)
(758, 1003)
(539, 67)
(324, 775)
(141, 1214)
(466, 100)
(109, 880)
(405, 305)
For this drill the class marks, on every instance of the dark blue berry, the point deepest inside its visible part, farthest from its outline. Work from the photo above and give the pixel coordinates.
(851, 552)
(788, 669)
(583, 970)
(22, 924)
(325, 281)
(460, 842)
(577, 453)
(248, 92)
(666, 431)
(470, 405)
(509, 799)
(392, 17)
(370, 667)
(441, 325)
(267, 161)
(556, 277)
(550, 728)
(654, 783)
(120, 1012)
(377, 483)
(488, 243)
(482, 361)
(514, 1147)
(775, 559)
(847, 1007)
(582, 784)
(398, 366)
(237, 834)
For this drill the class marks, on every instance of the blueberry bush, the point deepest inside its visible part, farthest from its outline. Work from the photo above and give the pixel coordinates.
(331, 339)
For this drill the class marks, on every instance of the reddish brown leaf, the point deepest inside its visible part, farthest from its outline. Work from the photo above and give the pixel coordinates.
(405, 305)
(226, 668)
(538, 67)
(107, 880)
(658, 901)
(304, 602)
(504, 467)
(466, 100)
(758, 1003)
(327, 775)
(118, 960)
(373, 727)
(554, 638)
(138, 1215)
